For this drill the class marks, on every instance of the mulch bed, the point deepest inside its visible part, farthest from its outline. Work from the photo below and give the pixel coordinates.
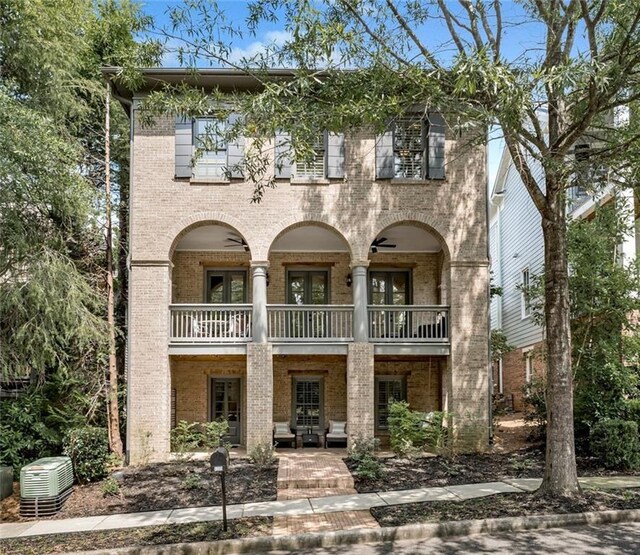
(150, 535)
(505, 505)
(426, 472)
(161, 486)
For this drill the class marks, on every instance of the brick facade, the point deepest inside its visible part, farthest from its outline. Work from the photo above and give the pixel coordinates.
(514, 371)
(359, 208)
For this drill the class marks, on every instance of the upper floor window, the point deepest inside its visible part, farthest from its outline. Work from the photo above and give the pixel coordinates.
(315, 167)
(525, 294)
(409, 148)
(209, 139)
(412, 147)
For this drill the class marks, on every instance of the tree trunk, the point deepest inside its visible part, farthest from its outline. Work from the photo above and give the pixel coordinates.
(115, 441)
(560, 476)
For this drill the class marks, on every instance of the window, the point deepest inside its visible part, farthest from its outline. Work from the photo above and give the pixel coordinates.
(315, 167)
(226, 286)
(307, 403)
(525, 301)
(409, 148)
(388, 389)
(209, 138)
(528, 366)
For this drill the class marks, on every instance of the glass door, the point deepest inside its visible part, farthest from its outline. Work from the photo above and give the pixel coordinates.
(308, 287)
(226, 287)
(390, 288)
(226, 405)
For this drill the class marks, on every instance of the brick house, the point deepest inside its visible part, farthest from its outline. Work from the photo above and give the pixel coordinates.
(363, 276)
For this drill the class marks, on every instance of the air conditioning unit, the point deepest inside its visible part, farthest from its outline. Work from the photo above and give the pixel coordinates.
(45, 485)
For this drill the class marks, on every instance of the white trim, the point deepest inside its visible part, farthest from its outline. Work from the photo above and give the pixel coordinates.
(528, 364)
(500, 377)
(525, 311)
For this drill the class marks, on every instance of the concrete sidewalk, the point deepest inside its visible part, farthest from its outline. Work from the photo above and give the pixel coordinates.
(295, 507)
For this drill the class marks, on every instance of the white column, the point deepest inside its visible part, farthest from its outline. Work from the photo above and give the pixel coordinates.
(260, 324)
(360, 314)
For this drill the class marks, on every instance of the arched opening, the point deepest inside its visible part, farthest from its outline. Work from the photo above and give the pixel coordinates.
(406, 298)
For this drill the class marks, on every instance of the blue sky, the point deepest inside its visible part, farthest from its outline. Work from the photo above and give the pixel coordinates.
(522, 38)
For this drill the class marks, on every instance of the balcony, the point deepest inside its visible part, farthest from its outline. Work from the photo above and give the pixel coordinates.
(310, 323)
(210, 323)
(394, 329)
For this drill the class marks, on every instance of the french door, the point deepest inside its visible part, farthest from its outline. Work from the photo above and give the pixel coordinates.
(226, 287)
(226, 404)
(390, 288)
(308, 287)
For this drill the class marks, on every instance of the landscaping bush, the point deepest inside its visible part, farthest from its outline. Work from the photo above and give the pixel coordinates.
(263, 455)
(632, 411)
(185, 437)
(88, 448)
(212, 433)
(616, 443)
(369, 468)
(363, 447)
(535, 406)
(412, 432)
(24, 434)
(110, 487)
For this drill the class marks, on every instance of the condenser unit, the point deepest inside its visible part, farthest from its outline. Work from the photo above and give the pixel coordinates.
(45, 485)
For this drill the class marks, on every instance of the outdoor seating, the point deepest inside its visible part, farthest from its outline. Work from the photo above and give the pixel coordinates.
(282, 434)
(337, 433)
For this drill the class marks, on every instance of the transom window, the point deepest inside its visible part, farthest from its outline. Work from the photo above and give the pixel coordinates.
(388, 390)
(409, 147)
(307, 403)
(209, 137)
(315, 167)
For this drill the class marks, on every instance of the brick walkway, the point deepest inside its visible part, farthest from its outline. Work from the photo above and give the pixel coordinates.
(316, 474)
(326, 522)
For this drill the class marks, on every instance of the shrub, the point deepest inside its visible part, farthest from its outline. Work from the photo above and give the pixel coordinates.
(192, 481)
(411, 432)
(263, 455)
(212, 433)
(185, 437)
(632, 410)
(616, 443)
(24, 435)
(110, 487)
(535, 406)
(363, 447)
(88, 448)
(369, 468)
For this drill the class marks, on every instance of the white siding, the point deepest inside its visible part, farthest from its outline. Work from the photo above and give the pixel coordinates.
(521, 246)
(494, 237)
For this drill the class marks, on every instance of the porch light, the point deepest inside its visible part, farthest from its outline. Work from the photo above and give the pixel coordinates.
(349, 280)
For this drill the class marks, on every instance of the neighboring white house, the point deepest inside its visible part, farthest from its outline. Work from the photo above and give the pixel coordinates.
(517, 254)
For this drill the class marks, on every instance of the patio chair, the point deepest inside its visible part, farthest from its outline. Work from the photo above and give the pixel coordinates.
(337, 433)
(282, 434)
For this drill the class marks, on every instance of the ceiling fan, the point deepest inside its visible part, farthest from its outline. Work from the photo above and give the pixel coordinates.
(381, 243)
(237, 241)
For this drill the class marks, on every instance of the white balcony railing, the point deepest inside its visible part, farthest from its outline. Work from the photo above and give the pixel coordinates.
(409, 324)
(210, 323)
(310, 323)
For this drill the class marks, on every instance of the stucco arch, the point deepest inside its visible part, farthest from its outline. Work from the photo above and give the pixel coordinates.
(419, 219)
(288, 224)
(182, 227)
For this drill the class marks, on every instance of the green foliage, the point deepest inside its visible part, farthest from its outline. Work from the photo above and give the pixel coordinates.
(616, 443)
(369, 468)
(363, 446)
(263, 455)
(412, 432)
(110, 487)
(213, 432)
(88, 448)
(192, 481)
(185, 437)
(632, 411)
(499, 345)
(606, 342)
(535, 405)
